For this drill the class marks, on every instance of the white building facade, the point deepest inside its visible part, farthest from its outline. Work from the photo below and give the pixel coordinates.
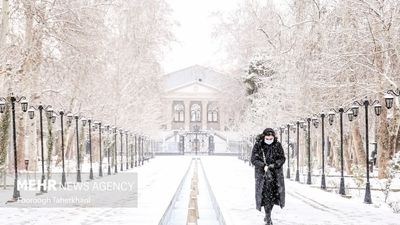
(194, 119)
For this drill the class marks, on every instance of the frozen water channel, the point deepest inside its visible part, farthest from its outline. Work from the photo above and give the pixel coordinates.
(208, 209)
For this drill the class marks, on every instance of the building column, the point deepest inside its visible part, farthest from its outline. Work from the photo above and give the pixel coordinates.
(187, 114)
(204, 115)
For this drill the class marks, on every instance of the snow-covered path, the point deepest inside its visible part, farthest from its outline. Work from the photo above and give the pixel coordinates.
(158, 181)
(232, 183)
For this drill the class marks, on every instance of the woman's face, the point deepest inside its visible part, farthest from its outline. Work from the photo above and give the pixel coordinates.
(269, 137)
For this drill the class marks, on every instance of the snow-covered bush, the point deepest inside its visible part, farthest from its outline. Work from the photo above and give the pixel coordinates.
(393, 170)
(358, 175)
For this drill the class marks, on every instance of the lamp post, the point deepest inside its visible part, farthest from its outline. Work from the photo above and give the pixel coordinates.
(78, 166)
(107, 127)
(139, 139)
(288, 153)
(90, 148)
(49, 113)
(142, 150)
(121, 133)
(350, 115)
(298, 124)
(98, 124)
(136, 150)
(378, 109)
(132, 156)
(115, 150)
(127, 149)
(316, 122)
(69, 120)
(24, 104)
(309, 150)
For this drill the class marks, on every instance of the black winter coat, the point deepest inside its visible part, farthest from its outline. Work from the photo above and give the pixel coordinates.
(274, 154)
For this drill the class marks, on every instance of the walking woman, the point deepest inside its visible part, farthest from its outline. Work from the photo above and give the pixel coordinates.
(268, 157)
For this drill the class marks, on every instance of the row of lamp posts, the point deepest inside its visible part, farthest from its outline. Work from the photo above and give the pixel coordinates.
(137, 151)
(351, 112)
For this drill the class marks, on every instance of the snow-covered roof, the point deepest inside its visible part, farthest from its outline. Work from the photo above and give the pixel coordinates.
(192, 74)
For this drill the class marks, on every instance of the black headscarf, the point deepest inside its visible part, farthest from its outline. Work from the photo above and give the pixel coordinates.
(260, 137)
(269, 131)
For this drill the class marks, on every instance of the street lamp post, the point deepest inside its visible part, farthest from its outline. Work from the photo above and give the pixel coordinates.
(49, 112)
(378, 109)
(143, 150)
(69, 120)
(288, 153)
(132, 156)
(140, 150)
(309, 150)
(78, 166)
(298, 124)
(315, 122)
(98, 124)
(127, 149)
(136, 150)
(108, 150)
(90, 148)
(115, 150)
(24, 105)
(121, 133)
(350, 115)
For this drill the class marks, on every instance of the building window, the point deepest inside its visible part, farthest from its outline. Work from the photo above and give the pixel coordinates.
(195, 113)
(212, 114)
(179, 113)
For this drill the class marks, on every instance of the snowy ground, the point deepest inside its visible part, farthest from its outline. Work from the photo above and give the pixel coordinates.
(158, 180)
(232, 183)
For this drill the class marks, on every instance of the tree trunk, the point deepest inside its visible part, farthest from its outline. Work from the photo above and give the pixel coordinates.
(32, 145)
(384, 150)
(69, 144)
(397, 141)
(358, 144)
(346, 154)
(4, 23)
(4, 136)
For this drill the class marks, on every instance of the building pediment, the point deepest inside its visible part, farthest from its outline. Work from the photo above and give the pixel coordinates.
(194, 88)
(191, 75)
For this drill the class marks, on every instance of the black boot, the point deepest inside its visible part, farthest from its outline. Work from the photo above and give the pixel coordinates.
(267, 218)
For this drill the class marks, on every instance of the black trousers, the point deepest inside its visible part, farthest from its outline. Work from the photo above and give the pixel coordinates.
(268, 194)
(268, 208)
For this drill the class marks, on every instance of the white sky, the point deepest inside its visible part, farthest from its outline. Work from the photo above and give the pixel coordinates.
(195, 43)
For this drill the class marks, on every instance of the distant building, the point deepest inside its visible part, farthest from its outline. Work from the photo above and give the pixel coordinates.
(194, 116)
(191, 97)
